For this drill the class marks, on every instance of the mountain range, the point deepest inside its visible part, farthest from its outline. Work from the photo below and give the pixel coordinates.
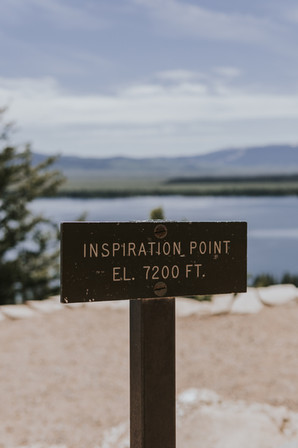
(254, 161)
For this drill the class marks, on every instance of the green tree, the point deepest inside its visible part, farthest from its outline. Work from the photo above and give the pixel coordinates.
(290, 278)
(264, 280)
(28, 242)
(157, 213)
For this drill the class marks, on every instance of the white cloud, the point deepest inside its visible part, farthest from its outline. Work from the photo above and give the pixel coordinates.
(66, 14)
(43, 101)
(70, 16)
(228, 72)
(142, 114)
(177, 75)
(193, 20)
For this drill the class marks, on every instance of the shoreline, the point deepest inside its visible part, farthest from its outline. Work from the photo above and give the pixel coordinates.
(126, 193)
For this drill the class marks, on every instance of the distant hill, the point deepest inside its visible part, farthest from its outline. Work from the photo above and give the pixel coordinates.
(265, 160)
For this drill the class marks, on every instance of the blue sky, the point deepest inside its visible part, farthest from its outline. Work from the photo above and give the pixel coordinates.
(149, 77)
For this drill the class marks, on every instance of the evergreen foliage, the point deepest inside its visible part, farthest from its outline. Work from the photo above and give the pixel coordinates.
(157, 213)
(264, 280)
(268, 279)
(28, 243)
(290, 278)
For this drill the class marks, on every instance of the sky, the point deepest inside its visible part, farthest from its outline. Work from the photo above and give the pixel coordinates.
(146, 78)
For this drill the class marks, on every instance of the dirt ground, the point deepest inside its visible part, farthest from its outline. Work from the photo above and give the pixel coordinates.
(64, 377)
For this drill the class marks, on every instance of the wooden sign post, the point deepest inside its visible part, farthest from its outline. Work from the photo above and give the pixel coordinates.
(150, 263)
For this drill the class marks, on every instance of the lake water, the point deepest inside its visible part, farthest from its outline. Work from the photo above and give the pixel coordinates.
(272, 221)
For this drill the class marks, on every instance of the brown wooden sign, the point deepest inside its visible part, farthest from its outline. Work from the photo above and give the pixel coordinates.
(128, 260)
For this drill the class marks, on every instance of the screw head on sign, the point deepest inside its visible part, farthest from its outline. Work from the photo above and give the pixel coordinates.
(160, 231)
(160, 289)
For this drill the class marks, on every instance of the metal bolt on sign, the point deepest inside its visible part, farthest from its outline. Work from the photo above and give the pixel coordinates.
(160, 231)
(160, 289)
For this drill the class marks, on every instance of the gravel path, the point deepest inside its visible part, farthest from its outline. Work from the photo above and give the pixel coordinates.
(64, 377)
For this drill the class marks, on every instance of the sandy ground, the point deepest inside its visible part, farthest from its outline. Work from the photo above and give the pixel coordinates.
(64, 377)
